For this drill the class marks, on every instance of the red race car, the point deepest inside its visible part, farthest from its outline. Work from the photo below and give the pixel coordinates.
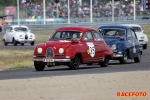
(72, 46)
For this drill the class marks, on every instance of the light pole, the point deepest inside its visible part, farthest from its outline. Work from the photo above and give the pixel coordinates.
(18, 11)
(112, 10)
(68, 12)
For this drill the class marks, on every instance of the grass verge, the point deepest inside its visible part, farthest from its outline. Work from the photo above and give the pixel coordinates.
(14, 59)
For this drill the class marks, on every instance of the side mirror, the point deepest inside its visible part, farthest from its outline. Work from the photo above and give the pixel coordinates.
(142, 30)
(75, 41)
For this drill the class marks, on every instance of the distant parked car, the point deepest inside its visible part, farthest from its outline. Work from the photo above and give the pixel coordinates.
(123, 41)
(18, 34)
(72, 46)
(141, 36)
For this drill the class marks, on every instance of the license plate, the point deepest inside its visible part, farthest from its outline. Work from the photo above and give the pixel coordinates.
(48, 60)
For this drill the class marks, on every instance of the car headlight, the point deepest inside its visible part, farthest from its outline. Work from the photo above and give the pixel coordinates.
(114, 47)
(142, 37)
(39, 50)
(61, 50)
(31, 36)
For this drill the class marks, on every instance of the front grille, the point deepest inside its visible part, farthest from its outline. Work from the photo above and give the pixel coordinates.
(26, 36)
(49, 53)
(41, 55)
(141, 40)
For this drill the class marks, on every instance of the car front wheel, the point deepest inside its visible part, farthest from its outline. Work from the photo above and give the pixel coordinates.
(5, 43)
(74, 64)
(123, 60)
(145, 46)
(105, 62)
(15, 42)
(38, 66)
(138, 58)
(32, 43)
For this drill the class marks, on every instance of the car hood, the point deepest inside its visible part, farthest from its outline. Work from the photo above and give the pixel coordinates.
(139, 34)
(21, 33)
(56, 45)
(111, 41)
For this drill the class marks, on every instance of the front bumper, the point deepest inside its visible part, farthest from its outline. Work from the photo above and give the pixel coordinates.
(117, 55)
(142, 42)
(25, 40)
(54, 60)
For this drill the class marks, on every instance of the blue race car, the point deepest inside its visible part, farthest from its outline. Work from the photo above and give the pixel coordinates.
(123, 41)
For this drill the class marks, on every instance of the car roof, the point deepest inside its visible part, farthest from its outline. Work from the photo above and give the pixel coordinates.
(74, 28)
(18, 26)
(132, 25)
(115, 26)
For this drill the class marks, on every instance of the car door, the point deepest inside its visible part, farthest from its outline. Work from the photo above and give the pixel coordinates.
(7, 35)
(89, 48)
(99, 45)
(132, 44)
(136, 43)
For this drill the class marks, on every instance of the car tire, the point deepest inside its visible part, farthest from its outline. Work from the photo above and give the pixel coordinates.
(123, 60)
(105, 62)
(14, 42)
(145, 46)
(75, 63)
(22, 44)
(5, 43)
(138, 58)
(32, 43)
(38, 66)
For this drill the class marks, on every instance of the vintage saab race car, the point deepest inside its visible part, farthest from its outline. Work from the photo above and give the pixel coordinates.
(72, 46)
(17, 34)
(123, 41)
(142, 38)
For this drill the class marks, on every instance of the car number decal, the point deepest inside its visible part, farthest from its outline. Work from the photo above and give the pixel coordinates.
(91, 49)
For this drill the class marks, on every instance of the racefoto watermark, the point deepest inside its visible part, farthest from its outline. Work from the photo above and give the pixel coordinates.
(132, 94)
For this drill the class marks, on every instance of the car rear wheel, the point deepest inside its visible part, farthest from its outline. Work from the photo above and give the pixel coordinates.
(14, 42)
(123, 60)
(5, 43)
(32, 43)
(74, 64)
(105, 62)
(38, 66)
(145, 46)
(138, 58)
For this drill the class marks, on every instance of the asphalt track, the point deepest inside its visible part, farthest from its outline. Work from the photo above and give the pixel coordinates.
(113, 67)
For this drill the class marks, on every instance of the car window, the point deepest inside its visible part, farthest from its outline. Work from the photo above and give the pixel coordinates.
(62, 35)
(133, 34)
(113, 32)
(97, 36)
(129, 35)
(137, 29)
(20, 29)
(88, 36)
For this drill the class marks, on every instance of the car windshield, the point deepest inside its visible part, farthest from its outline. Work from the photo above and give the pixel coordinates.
(136, 29)
(63, 35)
(113, 32)
(18, 29)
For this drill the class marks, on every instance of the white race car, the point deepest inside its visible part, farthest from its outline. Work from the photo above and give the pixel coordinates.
(142, 38)
(18, 34)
